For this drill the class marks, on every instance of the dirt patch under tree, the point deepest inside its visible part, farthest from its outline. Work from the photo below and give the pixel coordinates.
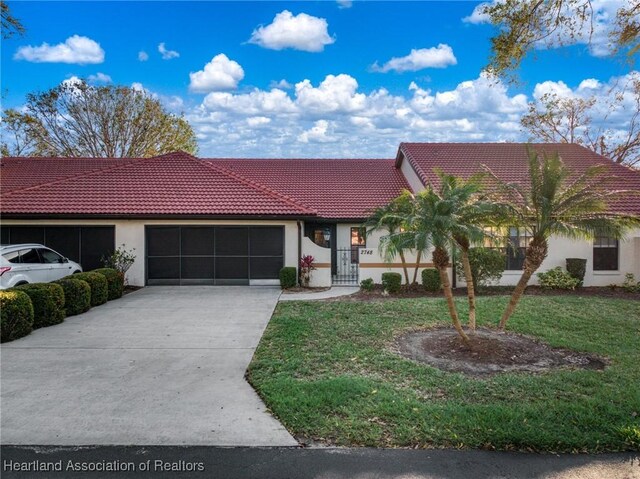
(492, 352)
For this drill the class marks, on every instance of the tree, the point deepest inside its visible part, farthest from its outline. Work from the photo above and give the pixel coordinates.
(391, 218)
(78, 120)
(558, 202)
(570, 120)
(527, 24)
(11, 26)
(434, 217)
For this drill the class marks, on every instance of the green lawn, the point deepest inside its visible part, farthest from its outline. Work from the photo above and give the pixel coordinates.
(324, 369)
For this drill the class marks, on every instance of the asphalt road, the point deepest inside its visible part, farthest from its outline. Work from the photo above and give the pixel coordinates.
(297, 463)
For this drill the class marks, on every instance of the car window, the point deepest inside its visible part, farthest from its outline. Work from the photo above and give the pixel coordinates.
(12, 256)
(29, 256)
(49, 256)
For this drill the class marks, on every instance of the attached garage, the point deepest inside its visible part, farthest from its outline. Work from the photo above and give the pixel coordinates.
(83, 244)
(214, 255)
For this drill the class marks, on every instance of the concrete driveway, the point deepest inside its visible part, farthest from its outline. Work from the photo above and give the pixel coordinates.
(161, 366)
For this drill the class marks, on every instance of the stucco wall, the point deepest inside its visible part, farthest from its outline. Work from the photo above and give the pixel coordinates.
(412, 178)
(321, 276)
(131, 234)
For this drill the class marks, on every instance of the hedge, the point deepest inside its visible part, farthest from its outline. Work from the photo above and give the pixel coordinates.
(431, 280)
(16, 315)
(48, 303)
(577, 267)
(98, 284)
(391, 282)
(115, 282)
(77, 294)
(288, 277)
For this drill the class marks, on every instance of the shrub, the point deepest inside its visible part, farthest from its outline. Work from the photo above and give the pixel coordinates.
(77, 294)
(307, 264)
(16, 315)
(115, 282)
(556, 278)
(120, 260)
(287, 277)
(48, 303)
(431, 279)
(487, 266)
(97, 283)
(630, 285)
(577, 267)
(391, 282)
(367, 284)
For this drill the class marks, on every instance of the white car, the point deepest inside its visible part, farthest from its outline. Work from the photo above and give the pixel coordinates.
(32, 263)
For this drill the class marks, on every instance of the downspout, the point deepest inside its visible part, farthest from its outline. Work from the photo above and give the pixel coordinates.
(299, 249)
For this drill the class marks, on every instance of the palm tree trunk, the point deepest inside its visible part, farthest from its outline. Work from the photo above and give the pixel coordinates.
(471, 294)
(446, 286)
(404, 266)
(415, 271)
(441, 262)
(535, 255)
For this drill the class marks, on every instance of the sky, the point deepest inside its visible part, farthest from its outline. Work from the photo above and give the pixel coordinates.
(305, 79)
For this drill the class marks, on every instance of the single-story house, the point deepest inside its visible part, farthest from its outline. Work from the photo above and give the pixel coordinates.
(239, 221)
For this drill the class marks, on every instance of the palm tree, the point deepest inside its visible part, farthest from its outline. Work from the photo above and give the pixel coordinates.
(470, 212)
(557, 202)
(391, 218)
(435, 217)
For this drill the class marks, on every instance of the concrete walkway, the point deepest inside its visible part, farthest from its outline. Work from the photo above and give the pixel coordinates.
(330, 293)
(163, 365)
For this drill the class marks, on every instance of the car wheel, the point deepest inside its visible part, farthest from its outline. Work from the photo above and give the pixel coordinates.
(21, 283)
(76, 272)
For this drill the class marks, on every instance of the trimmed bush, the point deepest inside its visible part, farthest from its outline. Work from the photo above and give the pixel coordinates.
(288, 277)
(77, 295)
(431, 280)
(487, 266)
(556, 278)
(115, 282)
(367, 284)
(577, 267)
(391, 282)
(48, 303)
(16, 315)
(98, 284)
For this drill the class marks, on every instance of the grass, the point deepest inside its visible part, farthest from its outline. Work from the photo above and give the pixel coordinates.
(324, 369)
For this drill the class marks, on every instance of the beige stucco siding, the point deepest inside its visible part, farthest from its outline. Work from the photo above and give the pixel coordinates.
(411, 177)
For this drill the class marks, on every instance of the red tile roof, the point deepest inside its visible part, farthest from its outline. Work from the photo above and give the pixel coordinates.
(172, 184)
(335, 188)
(509, 161)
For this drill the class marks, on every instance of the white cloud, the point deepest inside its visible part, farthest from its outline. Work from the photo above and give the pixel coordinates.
(99, 78)
(252, 104)
(435, 57)
(282, 84)
(172, 103)
(167, 54)
(220, 73)
(317, 133)
(344, 3)
(75, 49)
(335, 94)
(257, 121)
(300, 32)
(478, 16)
(143, 56)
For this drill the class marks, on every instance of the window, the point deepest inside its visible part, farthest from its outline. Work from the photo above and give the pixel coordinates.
(605, 254)
(49, 256)
(358, 240)
(12, 257)
(29, 256)
(513, 241)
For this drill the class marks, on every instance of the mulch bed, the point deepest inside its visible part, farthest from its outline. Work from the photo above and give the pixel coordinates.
(492, 352)
(417, 291)
(130, 289)
(299, 289)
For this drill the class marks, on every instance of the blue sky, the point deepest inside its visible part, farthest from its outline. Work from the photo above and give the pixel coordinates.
(341, 95)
